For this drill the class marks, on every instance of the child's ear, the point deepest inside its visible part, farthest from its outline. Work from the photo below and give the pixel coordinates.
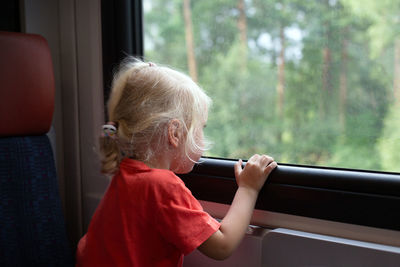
(174, 132)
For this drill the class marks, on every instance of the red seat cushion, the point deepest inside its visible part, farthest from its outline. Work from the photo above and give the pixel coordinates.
(27, 85)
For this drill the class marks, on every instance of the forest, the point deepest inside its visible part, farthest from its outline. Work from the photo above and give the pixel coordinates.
(309, 82)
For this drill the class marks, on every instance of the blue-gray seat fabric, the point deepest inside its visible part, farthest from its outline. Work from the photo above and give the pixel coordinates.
(32, 229)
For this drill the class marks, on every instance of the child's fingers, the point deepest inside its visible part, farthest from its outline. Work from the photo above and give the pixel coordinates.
(270, 167)
(238, 168)
(266, 160)
(253, 158)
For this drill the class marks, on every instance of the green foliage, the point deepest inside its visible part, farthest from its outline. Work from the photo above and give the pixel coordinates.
(341, 46)
(243, 98)
(389, 143)
(384, 15)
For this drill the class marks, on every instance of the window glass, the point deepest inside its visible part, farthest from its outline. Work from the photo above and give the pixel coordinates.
(312, 82)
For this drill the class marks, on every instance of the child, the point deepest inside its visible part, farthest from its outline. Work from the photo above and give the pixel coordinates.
(148, 217)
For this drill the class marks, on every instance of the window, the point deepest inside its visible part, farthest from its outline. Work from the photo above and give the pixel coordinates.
(311, 83)
(308, 82)
(326, 100)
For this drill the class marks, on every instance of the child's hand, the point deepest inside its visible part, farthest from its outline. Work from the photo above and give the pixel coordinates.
(222, 243)
(255, 173)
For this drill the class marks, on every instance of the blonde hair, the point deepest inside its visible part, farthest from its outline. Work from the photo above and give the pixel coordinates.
(144, 98)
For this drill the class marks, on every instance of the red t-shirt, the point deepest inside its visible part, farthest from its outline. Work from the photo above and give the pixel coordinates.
(148, 217)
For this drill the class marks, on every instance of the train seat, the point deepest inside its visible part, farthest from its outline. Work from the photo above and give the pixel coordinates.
(32, 227)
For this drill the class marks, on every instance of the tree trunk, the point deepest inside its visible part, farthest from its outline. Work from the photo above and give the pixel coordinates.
(396, 74)
(343, 84)
(326, 53)
(281, 73)
(242, 27)
(326, 66)
(189, 40)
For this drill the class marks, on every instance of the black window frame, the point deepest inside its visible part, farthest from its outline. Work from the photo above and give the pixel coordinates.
(10, 19)
(359, 197)
(122, 35)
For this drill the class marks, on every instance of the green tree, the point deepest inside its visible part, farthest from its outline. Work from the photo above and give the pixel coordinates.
(384, 32)
(323, 106)
(165, 33)
(389, 143)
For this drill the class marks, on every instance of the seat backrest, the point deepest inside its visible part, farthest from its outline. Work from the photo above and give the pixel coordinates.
(32, 227)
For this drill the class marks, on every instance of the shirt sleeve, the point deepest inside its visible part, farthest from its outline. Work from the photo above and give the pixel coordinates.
(181, 219)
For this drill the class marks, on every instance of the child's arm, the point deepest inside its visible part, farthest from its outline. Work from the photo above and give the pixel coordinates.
(222, 243)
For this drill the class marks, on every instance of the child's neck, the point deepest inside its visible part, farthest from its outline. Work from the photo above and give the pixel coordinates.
(157, 165)
(160, 161)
